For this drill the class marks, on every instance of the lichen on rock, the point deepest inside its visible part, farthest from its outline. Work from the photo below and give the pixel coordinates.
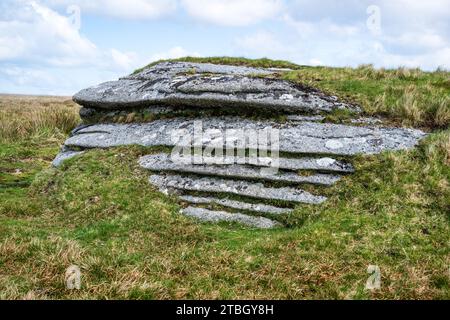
(149, 107)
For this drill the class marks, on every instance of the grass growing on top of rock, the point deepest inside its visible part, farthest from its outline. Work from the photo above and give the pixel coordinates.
(410, 97)
(99, 212)
(234, 61)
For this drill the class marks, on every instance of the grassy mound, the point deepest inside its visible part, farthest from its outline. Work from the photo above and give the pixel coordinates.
(99, 212)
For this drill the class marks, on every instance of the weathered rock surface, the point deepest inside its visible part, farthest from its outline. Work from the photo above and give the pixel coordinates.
(259, 208)
(367, 120)
(163, 162)
(237, 187)
(304, 137)
(218, 98)
(300, 118)
(293, 164)
(63, 156)
(207, 85)
(218, 216)
(320, 164)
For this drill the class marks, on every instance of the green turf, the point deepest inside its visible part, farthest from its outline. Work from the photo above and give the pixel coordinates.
(99, 212)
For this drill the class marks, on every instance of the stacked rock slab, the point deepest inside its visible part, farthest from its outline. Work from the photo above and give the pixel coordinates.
(159, 101)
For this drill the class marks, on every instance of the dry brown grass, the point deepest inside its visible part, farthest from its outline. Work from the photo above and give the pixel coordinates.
(23, 116)
(368, 71)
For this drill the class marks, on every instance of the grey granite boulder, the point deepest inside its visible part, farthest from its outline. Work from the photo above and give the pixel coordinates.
(236, 187)
(205, 107)
(218, 216)
(304, 137)
(207, 85)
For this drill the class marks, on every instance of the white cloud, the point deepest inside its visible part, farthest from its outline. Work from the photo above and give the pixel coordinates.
(268, 44)
(11, 46)
(342, 30)
(304, 29)
(353, 10)
(35, 34)
(351, 43)
(315, 62)
(22, 76)
(408, 8)
(325, 27)
(172, 53)
(428, 60)
(263, 42)
(232, 12)
(124, 60)
(424, 40)
(43, 36)
(41, 50)
(49, 80)
(130, 9)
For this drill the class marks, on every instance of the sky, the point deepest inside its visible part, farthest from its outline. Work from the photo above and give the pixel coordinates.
(57, 47)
